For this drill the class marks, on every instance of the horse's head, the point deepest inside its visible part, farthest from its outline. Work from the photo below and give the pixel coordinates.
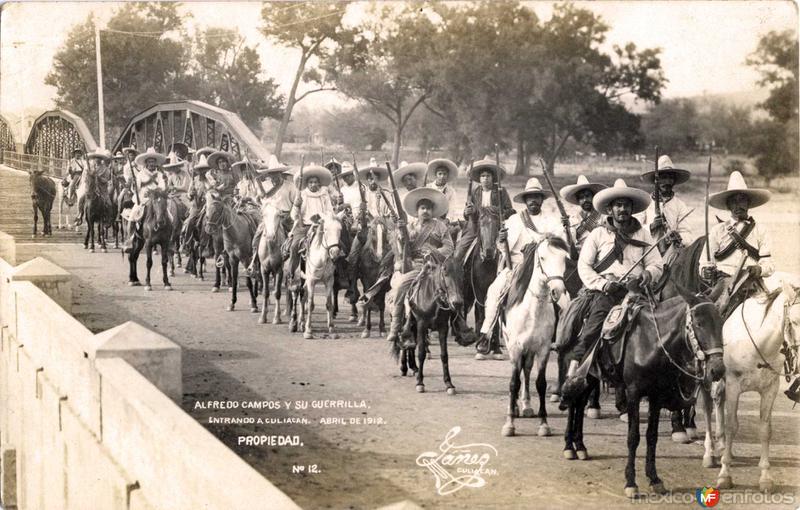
(488, 229)
(271, 217)
(331, 233)
(704, 332)
(552, 253)
(449, 279)
(791, 315)
(215, 209)
(157, 203)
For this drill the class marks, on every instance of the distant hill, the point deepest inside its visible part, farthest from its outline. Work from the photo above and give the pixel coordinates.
(749, 98)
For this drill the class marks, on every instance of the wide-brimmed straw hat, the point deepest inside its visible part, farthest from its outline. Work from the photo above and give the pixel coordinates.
(119, 155)
(665, 165)
(334, 166)
(435, 164)
(150, 153)
(273, 166)
(417, 169)
(347, 169)
(532, 187)
(175, 163)
(214, 158)
(381, 173)
(201, 166)
(415, 196)
(129, 149)
(205, 151)
(485, 164)
(640, 199)
(180, 149)
(322, 173)
(737, 185)
(78, 150)
(98, 153)
(570, 192)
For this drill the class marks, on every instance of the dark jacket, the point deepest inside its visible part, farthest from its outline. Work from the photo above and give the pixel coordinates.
(508, 209)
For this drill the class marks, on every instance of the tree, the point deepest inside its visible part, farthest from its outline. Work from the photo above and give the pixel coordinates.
(138, 70)
(229, 75)
(315, 29)
(673, 125)
(356, 128)
(776, 146)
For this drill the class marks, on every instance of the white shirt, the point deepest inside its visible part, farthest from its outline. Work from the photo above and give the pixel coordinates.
(352, 196)
(719, 237)
(672, 210)
(284, 198)
(318, 202)
(519, 235)
(449, 192)
(486, 198)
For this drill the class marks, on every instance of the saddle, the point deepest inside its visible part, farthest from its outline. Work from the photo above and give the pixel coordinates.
(615, 332)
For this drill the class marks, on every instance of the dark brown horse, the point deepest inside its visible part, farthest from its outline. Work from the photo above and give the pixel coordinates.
(96, 210)
(156, 230)
(43, 193)
(672, 347)
(366, 269)
(481, 270)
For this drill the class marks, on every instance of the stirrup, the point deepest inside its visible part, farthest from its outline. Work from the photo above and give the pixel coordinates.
(220, 263)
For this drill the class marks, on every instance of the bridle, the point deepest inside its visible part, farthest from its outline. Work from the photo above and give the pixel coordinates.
(548, 278)
(320, 230)
(789, 341)
(222, 216)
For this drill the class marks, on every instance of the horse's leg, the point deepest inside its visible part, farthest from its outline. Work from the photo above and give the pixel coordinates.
(679, 434)
(103, 234)
(422, 350)
(35, 219)
(562, 374)
(653, 414)
(165, 257)
(765, 432)
(541, 389)
(149, 252)
(309, 286)
(527, 366)
(688, 422)
(513, 396)
(262, 319)
(443, 355)
(580, 448)
(86, 239)
(631, 490)
(133, 259)
(708, 442)
(593, 410)
(252, 289)
(403, 362)
(718, 397)
(381, 302)
(233, 278)
(276, 319)
(330, 301)
(366, 322)
(569, 432)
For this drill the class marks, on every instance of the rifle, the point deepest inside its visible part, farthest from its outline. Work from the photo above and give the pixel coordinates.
(564, 217)
(708, 185)
(427, 159)
(362, 194)
(300, 187)
(506, 247)
(469, 188)
(657, 205)
(401, 215)
(652, 246)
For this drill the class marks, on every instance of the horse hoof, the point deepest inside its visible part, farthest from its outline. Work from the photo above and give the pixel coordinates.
(766, 486)
(544, 430)
(134, 284)
(632, 492)
(104, 250)
(180, 265)
(420, 388)
(230, 289)
(528, 413)
(480, 357)
(262, 320)
(509, 431)
(185, 271)
(167, 287)
(709, 461)
(555, 398)
(277, 321)
(352, 319)
(658, 488)
(623, 417)
(569, 454)
(230, 308)
(451, 391)
(171, 273)
(254, 309)
(582, 455)
(361, 323)
(308, 336)
(692, 433)
(681, 437)
(292, 327)
(148, 288)
(214, 289)
(91, 250)
(725, 482)
(365, 334)
(333, 336)
(499, 356)
(593, 413)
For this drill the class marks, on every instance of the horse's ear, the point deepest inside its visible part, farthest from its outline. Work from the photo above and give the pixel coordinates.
(686, 294)
(790, 291)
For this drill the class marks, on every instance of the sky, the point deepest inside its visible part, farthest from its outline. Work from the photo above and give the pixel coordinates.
(704, 43)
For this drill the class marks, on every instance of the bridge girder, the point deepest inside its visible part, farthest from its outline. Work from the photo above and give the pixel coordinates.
(195, 123)
(56, 133)
(6, 135)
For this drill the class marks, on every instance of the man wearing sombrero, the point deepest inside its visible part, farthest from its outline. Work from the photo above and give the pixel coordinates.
(75, 169)
(440, 171)
(221, 178)
(528, 226)
(178, 182)
(428, 245)
(608, 253)
(672, 208)
(411, 176)
(485, 199)
(312, 203)
(98, 165)
(196, 194)
(740, 248)
(129, 165)
(148, 175)
(586, 219)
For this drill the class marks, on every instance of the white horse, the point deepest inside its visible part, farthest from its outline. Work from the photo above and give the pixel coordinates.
(270, 258)
(322, 251)
(754, 337)
(530, 323)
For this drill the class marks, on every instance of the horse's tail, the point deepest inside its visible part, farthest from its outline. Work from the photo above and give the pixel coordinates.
(395, 349)
(573, 388)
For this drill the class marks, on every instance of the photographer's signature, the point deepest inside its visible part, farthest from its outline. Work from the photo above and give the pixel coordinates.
(458, 466)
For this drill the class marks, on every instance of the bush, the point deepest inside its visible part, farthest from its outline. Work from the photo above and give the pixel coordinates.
(734, 165)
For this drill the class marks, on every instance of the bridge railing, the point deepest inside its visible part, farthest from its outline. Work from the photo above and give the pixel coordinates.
(55, 167)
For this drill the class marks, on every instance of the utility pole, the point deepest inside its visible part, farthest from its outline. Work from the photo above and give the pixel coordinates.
(100, 86)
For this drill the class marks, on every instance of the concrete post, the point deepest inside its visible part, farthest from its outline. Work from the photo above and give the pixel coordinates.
(52, 279)
(8, 249)
(8, 479)
(155, 356)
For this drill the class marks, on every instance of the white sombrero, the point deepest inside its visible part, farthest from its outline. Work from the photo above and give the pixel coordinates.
(437, 198)
(380, 172)
(273, 166)
(150, 153)
(119, 155)
(435, 164)
(202, 164)
(417, 169)
(640, 199)
(103, 154)
(126, 150)
(532, 187)
(175, 163)
(214, 158)
(322, 173)
(347, 169)
(570, 192)
(737, 185)
(205, 151)
(333, 164)
(485, 164)
(665, 165)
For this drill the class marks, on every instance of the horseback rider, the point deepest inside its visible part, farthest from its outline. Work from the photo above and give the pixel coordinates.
(586, 218)
(148, 175)
(486, 197)
(521, 229)
(428, 245)
(312, 203)
(221, 177)
(411, 176)
(672, 209)
(740, 248)
(198, 187)
(178, 182)
(609, 253)
(75, 168)
(440, 171)
(98, 165)
(117, 164)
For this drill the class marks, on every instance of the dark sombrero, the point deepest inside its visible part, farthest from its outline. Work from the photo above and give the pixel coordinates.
(665, 166)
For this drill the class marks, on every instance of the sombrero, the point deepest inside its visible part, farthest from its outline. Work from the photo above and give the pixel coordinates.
(151, 153)
(322, 173)
(175, 162)
(737, 185)
(98, 153)
(485, 164)
(77, 150)
(333, 166)
(570, 192)
(417, 169)
(413, 198)
(201, 165)
(532, 187)
(640, 199)
(180, 149)
(119, 155)
(380, 172)
(213, 159)
(347, 169)
(435, 164)
(126, 150)
(272, 167)
(665, 165)
(205, 151)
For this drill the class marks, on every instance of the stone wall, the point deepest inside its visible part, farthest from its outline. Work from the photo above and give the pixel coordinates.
(92, 421)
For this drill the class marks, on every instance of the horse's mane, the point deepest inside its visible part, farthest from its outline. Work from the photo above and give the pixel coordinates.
(684, 270)
(518, 287)
(155, 193)
(771, 297)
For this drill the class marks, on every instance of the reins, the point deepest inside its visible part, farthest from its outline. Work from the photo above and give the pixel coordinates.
(766, 364)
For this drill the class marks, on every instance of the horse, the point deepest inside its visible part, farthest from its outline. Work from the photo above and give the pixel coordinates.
(481, 269)
(673, 341)
(323, 249)
(236, 230)
(43, 192)
(530, 324)
(367, 269)
(66, 202)
(156, 230)
(434, 303)
(270, 259)
(211, 245)
(117, 193)
(96, 205)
